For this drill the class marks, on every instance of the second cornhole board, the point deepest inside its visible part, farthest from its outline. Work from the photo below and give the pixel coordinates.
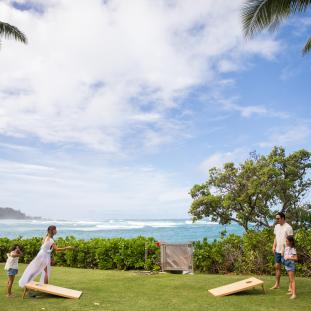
(52, 289)
(236, 287)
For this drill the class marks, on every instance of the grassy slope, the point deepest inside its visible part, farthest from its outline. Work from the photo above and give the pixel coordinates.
(117, 290)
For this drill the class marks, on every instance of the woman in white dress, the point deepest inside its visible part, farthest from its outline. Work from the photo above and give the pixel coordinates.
(42, 262)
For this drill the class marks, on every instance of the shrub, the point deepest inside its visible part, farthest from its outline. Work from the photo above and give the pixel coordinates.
(116, 253)
(250, 253)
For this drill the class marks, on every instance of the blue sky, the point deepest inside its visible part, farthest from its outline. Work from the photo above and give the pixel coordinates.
(117, 114)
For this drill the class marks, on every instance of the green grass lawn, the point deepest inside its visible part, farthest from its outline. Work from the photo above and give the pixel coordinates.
(118, 290)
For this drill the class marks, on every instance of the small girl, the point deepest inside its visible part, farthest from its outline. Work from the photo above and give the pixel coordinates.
(289, 256)
(42, 262)
(11, 267)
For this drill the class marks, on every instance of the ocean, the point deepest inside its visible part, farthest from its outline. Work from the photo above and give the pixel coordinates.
(172, 230)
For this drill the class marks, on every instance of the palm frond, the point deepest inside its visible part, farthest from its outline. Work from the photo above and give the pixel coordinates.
(9, 31)
(258, 15)
(307, 47)
(299, 5)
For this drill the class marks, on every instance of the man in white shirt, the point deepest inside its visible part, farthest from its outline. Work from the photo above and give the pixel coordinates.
(281, 230)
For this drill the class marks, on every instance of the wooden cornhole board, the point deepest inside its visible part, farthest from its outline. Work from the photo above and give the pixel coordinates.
(236, 287)
(176, 257)
(52, 289)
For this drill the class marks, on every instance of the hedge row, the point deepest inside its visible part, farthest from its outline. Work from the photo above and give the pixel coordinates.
(116, 253)
(250, 253)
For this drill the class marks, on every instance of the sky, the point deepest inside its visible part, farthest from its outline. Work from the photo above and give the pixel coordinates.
(115, 109)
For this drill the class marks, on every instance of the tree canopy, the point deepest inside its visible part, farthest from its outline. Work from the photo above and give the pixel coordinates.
(252, 192)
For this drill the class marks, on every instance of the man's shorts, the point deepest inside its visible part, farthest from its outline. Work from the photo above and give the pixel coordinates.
(278, 258)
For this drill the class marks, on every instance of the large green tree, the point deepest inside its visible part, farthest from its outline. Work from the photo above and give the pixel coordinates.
(291, 184)
(9, 31)
(258, 15)
(252, 192)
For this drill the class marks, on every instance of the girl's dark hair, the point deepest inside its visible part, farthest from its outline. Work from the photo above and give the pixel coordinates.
(51, 229)
(291, 240)
(13, 248)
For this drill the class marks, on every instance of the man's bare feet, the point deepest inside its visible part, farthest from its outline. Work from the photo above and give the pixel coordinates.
(292, 297)
(289, 293)
(275, 287)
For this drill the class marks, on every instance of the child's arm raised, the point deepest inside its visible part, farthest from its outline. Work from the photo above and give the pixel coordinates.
(16, 253)
(18, 250)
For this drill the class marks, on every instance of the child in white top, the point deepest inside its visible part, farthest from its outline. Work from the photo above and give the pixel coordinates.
(289, 256)
(11, 266)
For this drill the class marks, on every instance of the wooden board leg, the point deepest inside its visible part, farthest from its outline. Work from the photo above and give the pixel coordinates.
(25, 292)
(263, 288)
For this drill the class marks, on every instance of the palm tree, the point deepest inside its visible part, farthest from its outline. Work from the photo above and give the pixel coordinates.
(9, 31)
(258, 15)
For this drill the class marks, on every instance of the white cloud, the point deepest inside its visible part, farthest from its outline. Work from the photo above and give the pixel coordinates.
(265, 47)
(246, 111)
(226, 65)
(94, 73)
(290, 72)
(16, 147)
(306, 21)
(73, 191)
(113, 76)
(287, 136)
(218, 159)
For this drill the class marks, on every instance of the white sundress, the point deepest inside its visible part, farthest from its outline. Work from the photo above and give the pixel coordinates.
(38, 264)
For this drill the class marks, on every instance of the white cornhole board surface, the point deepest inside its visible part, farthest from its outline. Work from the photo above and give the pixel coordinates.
(53, 290)
(236, 287)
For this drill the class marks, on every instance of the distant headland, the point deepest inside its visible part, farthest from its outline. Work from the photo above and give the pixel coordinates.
(10, 213)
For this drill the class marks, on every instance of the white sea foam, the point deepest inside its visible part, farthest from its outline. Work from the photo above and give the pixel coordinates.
(164, 230)
(90, 225)
(200, 222)
(150, 223)
(105, 228)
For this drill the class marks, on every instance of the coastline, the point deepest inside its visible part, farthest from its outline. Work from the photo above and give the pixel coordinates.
(169, 230)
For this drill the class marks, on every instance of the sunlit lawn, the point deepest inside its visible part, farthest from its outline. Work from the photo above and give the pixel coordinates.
(118, 290)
